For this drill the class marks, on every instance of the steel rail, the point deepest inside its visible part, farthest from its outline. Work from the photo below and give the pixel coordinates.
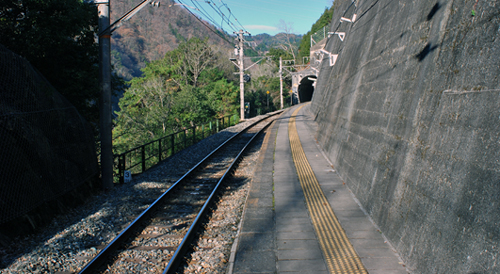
(101, 258)
(184, 245)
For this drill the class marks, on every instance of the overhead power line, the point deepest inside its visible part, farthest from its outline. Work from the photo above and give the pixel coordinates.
(215, 14)
(205, 24)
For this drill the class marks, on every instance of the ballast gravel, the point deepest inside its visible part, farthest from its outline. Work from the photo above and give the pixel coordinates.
(74, 238)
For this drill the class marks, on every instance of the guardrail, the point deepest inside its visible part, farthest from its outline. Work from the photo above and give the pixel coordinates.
(141, 158)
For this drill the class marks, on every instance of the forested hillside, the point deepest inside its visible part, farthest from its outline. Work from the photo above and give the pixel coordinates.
(152, 32)
(323, 21)
(188, 86)
(263, 42)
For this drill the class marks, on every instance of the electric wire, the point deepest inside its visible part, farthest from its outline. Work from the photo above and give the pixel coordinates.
(228, 20)
(235, 28)
(205, 14)
(221, 14)
(201, 21)
(227, 7)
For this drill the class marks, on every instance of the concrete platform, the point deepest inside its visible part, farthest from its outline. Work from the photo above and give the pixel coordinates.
(277, 234)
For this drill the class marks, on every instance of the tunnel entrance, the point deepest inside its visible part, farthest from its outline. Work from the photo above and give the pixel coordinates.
(306, 88)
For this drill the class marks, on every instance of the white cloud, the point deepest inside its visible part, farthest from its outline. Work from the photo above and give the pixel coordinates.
(260, 27)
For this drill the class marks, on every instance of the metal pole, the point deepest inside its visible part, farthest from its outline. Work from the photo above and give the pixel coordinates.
(159, 150)
(185, 138)
(172, 143)
(105, 104)
(121, 167)
(143, 158)
(281, 83)
(194, 135)
(267, 100)
(242, 85)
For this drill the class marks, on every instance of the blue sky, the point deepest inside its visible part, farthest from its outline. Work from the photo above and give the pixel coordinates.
(263, 16)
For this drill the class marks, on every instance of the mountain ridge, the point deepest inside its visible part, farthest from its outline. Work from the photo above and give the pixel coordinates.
(152, 32)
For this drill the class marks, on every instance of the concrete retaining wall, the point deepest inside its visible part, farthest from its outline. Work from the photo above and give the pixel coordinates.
(410, 117)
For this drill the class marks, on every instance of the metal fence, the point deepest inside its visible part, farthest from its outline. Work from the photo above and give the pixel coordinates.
(141, 158)
(47, 148)
(318, 36)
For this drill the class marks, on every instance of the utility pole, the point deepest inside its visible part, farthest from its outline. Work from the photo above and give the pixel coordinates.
(239, 51)
(281, 83)
(105, 121)
(105, 104)
(242, 84)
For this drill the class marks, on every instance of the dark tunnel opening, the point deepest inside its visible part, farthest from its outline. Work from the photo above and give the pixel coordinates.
(306, 88)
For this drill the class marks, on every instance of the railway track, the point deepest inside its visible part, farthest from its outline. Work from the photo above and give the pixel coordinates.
(157, 240)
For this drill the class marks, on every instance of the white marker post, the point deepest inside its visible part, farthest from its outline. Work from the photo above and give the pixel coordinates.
(127, 176)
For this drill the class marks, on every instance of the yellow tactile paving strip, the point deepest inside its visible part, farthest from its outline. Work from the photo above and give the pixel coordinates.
(338, 251)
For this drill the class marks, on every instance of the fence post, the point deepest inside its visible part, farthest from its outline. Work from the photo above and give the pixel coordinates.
(143, 158)
(217, 122)
(121, 168)
(185, 138)
(172, 147)
(194, 135)
(159, 150)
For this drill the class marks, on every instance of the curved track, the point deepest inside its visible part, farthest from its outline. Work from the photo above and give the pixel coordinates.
(164, 231)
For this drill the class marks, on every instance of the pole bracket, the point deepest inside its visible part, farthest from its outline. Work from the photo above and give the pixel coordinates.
(331, 57)
(352, 20)
(341, 35)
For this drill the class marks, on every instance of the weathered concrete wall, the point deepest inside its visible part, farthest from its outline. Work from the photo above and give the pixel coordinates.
(410, 116)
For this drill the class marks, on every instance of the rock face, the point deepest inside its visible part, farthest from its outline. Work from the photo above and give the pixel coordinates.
(47, 148)
(410, 116)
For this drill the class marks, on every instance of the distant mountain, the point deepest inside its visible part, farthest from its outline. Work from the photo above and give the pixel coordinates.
(152, 32)
(263, 42)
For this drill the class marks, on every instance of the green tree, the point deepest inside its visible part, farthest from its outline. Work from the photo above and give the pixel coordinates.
(276, 53)
(57, 37)
(187, 87)
(145, 113)
(257, 94)
(221, 93)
